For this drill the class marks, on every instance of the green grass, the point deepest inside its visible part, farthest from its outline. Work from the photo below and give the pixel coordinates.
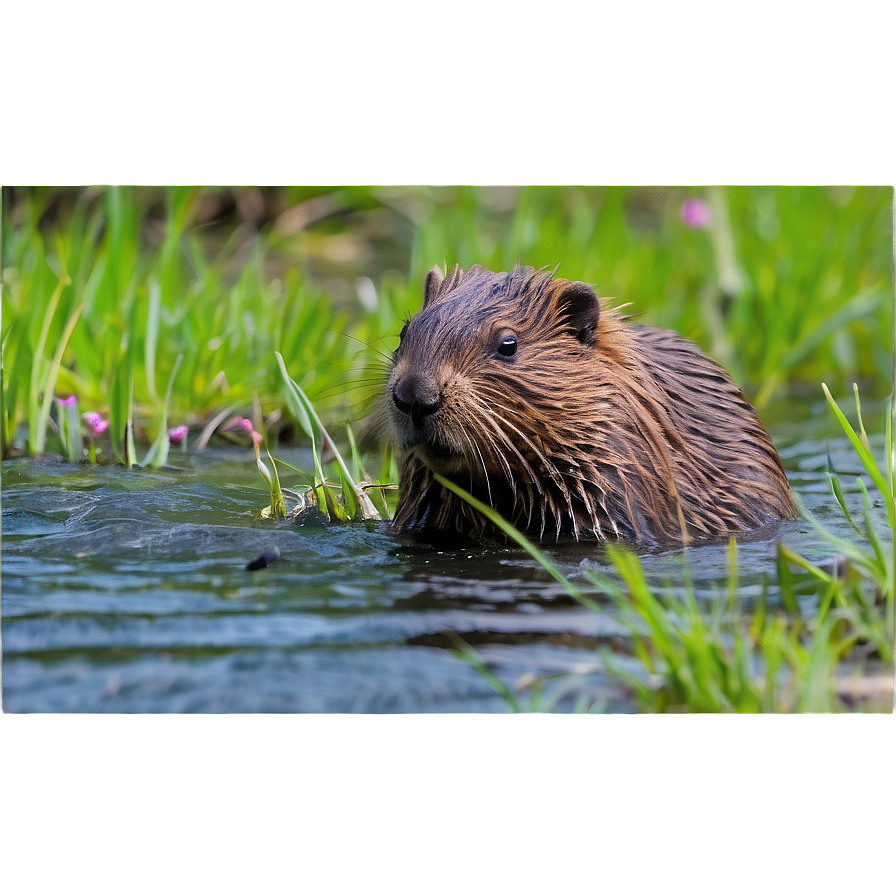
(89, 308)
(350, 502)
(104, 289)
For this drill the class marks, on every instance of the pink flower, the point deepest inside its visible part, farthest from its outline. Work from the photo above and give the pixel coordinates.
(243, 423)
(695, 213)
(65, 402)
(95, 423)
(176, 435)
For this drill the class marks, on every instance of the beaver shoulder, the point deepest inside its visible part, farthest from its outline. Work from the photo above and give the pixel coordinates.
(546, 403)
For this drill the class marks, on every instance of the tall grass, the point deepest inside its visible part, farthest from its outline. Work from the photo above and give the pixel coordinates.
(101, 296)
(93, 307)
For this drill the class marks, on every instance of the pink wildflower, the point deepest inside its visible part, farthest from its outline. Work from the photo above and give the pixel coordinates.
(695, 213)
(243, 423)
(65, 402)
(177, 435)
(95, 423)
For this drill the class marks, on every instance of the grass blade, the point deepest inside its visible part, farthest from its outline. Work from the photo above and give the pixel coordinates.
(305, 413)
(49, 385)
(152, 338)
(157, 455)
(471, 657)
(865, 456)
(36, 429)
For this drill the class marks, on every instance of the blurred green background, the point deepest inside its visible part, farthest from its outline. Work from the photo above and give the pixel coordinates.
(105, 288)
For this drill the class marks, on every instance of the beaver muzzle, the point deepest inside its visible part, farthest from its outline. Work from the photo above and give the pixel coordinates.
(416, 398)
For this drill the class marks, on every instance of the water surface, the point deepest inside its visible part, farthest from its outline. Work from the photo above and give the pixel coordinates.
(127, 591)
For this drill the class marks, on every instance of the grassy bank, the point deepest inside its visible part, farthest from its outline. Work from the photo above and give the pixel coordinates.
(112, 294)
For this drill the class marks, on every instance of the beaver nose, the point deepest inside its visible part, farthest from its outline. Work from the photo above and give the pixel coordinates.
(415, 399)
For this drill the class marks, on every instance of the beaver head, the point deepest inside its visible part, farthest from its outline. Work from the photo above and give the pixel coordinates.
(547, 404)
(467, 371)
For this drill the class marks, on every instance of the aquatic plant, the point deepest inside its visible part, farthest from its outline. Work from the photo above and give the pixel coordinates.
(350, 501)
(95, 425)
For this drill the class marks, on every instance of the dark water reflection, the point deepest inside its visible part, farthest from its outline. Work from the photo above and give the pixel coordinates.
(126, 591)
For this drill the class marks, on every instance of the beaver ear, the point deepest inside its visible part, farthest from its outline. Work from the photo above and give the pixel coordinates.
(580, 311)
(437, 286)
(434, 280)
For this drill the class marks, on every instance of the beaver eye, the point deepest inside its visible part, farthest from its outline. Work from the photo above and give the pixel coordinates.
(507, 346)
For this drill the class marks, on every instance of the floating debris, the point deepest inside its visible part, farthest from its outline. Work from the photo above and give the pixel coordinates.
(264, 559)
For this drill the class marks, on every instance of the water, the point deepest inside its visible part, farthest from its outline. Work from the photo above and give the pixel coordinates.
(127, 591)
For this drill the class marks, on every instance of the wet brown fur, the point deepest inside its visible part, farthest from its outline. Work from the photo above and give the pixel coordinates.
(596, 427)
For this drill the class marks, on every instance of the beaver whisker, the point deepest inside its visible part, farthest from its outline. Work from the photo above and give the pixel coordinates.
(549, 466)
(492, 419)
(549, 502)
(367, 345)
(535, 481)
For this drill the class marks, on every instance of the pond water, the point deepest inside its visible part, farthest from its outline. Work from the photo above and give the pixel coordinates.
(127, 591)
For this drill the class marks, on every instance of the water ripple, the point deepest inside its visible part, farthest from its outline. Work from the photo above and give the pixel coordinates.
(127, 591)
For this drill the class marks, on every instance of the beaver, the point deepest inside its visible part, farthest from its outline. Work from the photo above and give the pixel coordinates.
(553, 407)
